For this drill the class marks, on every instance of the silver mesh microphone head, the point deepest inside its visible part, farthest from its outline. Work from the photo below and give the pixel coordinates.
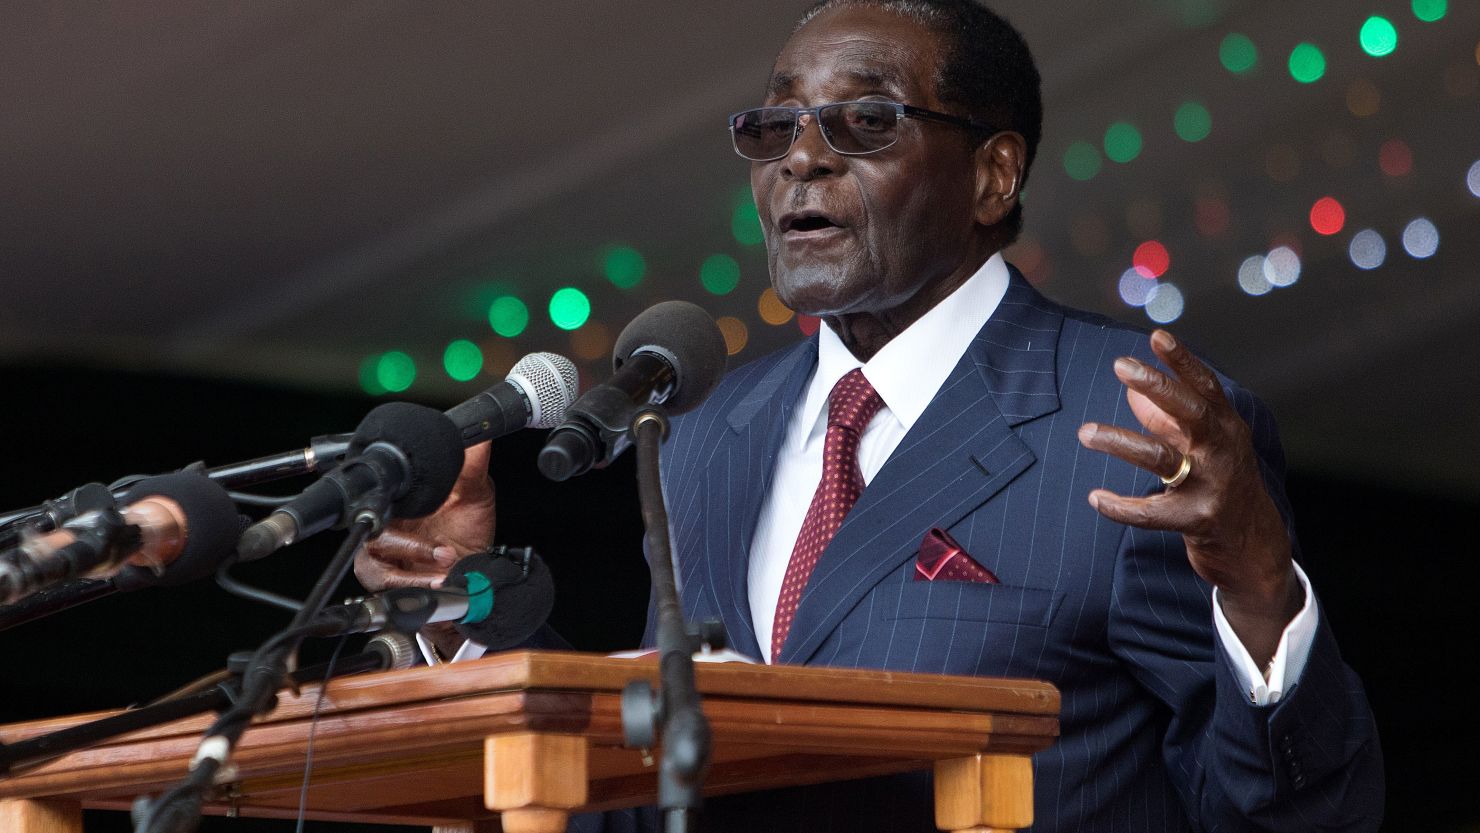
(551, 383)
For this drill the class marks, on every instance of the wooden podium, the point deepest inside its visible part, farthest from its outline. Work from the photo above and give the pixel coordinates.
(529, 737)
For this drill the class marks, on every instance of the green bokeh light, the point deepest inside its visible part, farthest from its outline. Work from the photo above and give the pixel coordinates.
(369, 382)
(624, 266)
(1379, 37)
(720, 274)
(1237, 53)
(1430, 10)
(462, 360)
(1081, 161)
(569, 308)
(1307, 63)
(508, 316)
(395, 371)
(1122, 142)
(745, 221)
(1192, 122)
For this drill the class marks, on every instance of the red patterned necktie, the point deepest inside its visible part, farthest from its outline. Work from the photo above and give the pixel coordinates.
(852, 403)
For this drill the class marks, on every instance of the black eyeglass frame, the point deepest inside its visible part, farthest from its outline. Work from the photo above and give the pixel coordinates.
(901, 112)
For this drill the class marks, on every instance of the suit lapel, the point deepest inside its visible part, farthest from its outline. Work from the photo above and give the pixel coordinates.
(741, 479)
(960, 453)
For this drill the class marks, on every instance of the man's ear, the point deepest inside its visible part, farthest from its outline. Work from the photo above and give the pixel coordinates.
(999, 171)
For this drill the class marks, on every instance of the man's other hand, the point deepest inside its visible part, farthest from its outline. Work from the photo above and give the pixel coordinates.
(1235, 536)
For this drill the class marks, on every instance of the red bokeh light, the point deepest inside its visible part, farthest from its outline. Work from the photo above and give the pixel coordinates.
(1211, 216)
(1395, 158)
(1327, 216)
(808, 323)
(1151, 259)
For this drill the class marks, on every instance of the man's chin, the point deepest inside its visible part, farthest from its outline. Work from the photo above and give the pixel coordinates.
(814, 290)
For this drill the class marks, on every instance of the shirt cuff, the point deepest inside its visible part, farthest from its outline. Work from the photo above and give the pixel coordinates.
(1289, 657)
(468, 650)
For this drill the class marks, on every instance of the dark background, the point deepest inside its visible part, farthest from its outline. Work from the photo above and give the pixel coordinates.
(1394, 569)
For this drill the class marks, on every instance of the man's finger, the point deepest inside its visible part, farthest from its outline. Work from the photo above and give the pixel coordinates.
(377, 576)
(1189, 368)
(1179, 401)
(1145, 512)
(1148, 453)
(396, 547)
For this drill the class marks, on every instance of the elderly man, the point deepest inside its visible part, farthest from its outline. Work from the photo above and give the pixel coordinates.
(959, 476)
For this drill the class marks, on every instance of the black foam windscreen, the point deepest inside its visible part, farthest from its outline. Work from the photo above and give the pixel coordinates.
(431, 443)
(521, 603)
(684, 334)
(211, 520)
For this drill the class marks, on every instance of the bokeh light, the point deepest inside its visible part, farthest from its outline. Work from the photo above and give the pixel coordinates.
(1367, 249)
(1472, 178)
(624, 266)
(1082, 161)
(508, 316)
(745, 221)
(1363, 98)
(591, 342)
(1151, 259)
(735, 332)
(1282, 266)
(369, 379)
(569, 308)
(462, 360)
(1211, 216)
(771, 309)
(808, 324)
(1192, 122)
(1378, 36)
(1089, 235)
(720, 274)
(1421, 238)
(1395, 158)
(395, 371)
(1327, 216)
(1251, 276)
(1430, 10)
(1282, 163)
(1307, 63)
(1134, 288)
(1122, 142)
(1237, 53)
(1165, 303)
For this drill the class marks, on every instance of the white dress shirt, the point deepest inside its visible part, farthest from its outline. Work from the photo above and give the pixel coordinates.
(907, 372)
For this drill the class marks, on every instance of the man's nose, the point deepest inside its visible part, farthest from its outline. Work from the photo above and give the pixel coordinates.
(810, 155)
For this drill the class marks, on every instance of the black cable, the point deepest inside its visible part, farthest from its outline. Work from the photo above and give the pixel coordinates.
(236, 587)
(271, 501)
(313, 730)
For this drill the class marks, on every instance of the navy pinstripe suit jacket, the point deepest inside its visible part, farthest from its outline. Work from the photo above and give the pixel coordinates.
(1156, 734)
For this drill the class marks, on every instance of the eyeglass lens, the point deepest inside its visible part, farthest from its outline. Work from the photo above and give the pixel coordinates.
(852, 127)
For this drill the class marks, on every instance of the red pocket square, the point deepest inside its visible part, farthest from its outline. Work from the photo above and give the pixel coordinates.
(941, 558)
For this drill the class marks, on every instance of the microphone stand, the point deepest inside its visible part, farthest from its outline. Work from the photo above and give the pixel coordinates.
(685, 731)
(178, 810)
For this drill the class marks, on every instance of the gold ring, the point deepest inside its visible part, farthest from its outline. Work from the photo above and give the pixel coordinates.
(1181, 476)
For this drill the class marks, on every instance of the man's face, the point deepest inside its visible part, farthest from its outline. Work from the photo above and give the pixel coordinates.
(864, 234)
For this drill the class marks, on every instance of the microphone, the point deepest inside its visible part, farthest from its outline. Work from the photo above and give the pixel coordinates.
(536, 394)
(403, 458)
(671, 354)
(172, 528)
(498, 599)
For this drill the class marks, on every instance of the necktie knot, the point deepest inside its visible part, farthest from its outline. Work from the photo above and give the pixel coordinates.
(853, 402)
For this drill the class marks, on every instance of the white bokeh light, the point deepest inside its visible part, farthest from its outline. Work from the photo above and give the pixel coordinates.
(1282, 266)
(1421, 238)
(1135, 288)
(1251, 276)
(1164, 305)
(1472, 178)
(1367, 249)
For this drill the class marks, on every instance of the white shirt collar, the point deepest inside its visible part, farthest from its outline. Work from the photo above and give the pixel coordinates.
(909, 370)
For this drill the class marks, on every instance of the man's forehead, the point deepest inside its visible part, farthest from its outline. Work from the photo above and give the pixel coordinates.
(867, 76)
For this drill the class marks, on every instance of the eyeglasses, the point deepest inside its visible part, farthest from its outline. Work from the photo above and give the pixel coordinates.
(852, 128)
